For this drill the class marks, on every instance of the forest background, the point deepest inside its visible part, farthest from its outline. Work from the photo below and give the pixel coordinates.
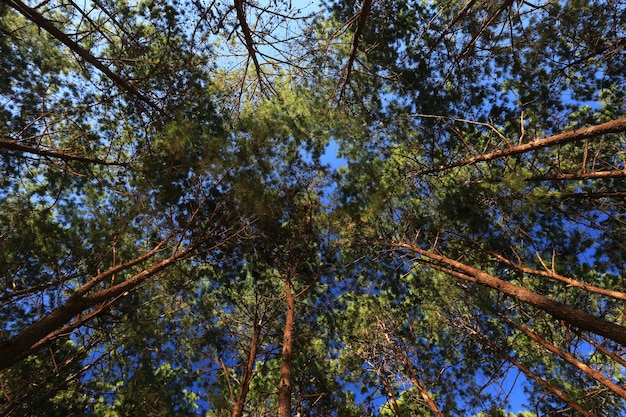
(177, 238)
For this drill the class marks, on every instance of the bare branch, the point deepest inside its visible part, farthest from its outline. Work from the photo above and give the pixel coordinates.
(248, 41)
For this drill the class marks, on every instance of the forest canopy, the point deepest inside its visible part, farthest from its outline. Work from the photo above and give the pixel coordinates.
(285, 208)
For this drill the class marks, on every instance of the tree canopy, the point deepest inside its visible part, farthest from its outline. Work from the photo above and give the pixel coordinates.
(247, 208)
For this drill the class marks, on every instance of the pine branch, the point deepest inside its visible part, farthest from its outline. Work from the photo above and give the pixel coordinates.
(614, 126)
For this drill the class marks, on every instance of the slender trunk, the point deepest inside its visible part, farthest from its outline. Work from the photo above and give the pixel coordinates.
(389, 394)
(560, 311)
(614, 126)
(568, 358)
(247, 376)
(284, 388)
(410, 371)
(545, 384)
(432, 405)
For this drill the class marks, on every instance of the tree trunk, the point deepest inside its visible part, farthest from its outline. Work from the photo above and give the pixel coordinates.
(560, 311)
(389, 393)
(408, 367)
(59, 321)
(284, 388)
(247, 376)
(545, 384)
(614, 126)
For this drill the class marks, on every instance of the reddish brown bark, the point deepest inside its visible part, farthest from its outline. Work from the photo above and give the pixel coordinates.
(71, 315)
(569, 358)
(545, 384)
(614, 126)
(577, 318)
(247, 376)
(403, 356)
(580, 176)
(569, 281)
(408, 367)
(87, 302)
(284, 387)
(389, 394)
(410, 371)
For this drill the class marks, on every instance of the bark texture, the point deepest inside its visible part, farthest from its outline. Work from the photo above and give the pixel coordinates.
(284, 387)
(577, 318)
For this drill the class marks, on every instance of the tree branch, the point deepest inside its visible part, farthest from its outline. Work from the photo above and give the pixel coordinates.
(360, 27)
(545, 384)
(569, 281)
(48, 26)
(614, 126)
(248, 41)
(580, 176)
(59, 321)
(586, 369)
(15, 146)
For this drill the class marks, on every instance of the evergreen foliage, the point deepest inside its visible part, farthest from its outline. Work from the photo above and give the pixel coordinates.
(385, 208)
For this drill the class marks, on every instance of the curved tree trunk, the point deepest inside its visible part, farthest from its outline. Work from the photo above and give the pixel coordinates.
(79, 309)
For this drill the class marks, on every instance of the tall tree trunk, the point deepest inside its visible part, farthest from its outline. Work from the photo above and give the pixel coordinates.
(432, 405)
(284, 388)
(614, 126)
(389, 393)
(560, 311)
(247, 376)
(529, 374)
